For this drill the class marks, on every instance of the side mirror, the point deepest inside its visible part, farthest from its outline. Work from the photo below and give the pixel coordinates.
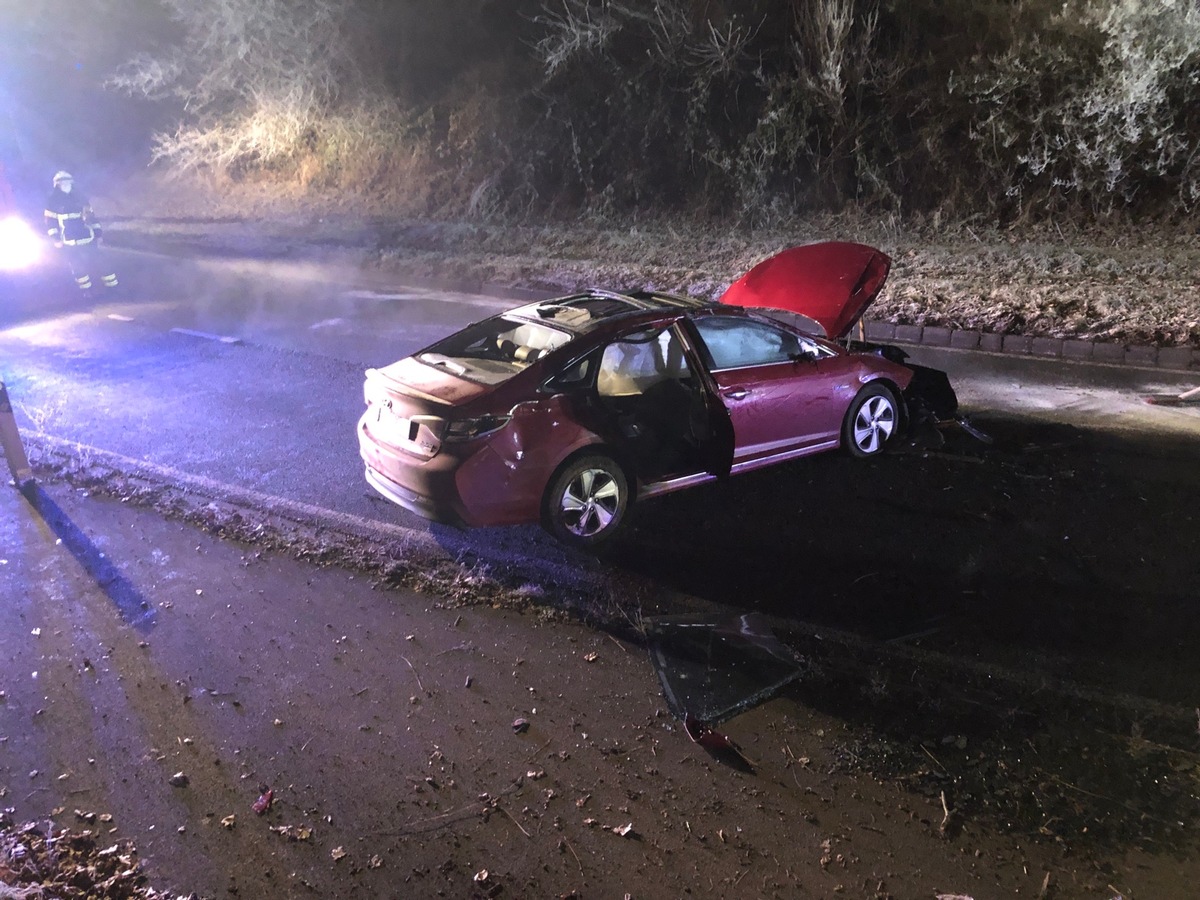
(804, 355)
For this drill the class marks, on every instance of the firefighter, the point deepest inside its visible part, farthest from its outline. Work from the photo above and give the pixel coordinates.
(72, 225)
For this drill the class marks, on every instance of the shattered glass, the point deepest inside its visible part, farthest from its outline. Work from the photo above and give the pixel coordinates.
(713, 668)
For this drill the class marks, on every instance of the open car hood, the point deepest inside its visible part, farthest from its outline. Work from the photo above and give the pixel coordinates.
(830, 284)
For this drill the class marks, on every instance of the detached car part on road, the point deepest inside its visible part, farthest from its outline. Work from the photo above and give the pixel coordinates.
(566, 411)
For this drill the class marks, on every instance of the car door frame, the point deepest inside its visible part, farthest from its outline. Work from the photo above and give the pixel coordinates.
(763, 394)
(716, 450)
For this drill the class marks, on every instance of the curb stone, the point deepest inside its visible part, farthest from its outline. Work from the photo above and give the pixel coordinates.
(1183, 358)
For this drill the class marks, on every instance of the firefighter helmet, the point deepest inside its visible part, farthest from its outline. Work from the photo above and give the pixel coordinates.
(60, 176)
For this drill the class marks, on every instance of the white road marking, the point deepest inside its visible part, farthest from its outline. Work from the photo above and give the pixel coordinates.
(117, 317)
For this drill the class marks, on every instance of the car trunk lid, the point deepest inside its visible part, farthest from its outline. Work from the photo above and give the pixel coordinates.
(410, 404)
(431, 384)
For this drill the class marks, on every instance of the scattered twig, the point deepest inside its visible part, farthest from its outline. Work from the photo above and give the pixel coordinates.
(618, 643)
(364, 690)
(514, 821)
(936, 763)
(573, 853)
(951, 457)
(414, 671)
(945, 816)
(471, 810)
(465, 645)
(539, 749)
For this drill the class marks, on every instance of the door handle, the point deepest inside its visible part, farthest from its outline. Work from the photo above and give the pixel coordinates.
(736, 393)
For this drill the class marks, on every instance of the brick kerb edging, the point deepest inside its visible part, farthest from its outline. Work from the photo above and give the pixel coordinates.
(1066, 349)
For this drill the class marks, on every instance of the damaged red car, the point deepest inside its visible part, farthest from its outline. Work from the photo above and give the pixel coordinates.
(568, 411)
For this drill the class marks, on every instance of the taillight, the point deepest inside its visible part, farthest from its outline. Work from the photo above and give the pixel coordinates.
(469, 429)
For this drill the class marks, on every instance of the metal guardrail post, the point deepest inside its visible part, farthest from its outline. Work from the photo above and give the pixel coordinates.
(10, 440)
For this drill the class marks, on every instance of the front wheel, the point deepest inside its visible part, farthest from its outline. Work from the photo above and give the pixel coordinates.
(587, 501)
(871, 422)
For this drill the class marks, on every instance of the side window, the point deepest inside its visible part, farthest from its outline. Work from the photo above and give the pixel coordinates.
(736, 343)
(639, 361)
(574, 375)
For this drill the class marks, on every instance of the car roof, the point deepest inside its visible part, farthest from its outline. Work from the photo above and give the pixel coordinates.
(589, 310)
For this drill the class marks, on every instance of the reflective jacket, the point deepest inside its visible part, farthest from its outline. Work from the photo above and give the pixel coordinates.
(69, 218)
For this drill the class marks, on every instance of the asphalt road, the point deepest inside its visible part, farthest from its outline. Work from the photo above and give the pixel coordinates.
(1064, 552)
(248, 373)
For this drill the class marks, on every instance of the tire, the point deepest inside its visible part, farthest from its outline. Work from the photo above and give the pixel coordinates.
(871, 422)
(587, 501)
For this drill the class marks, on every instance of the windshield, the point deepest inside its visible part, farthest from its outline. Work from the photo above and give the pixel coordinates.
(494, 350)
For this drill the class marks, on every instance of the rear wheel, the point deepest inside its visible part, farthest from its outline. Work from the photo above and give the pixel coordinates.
(587, 501)
(871, 422)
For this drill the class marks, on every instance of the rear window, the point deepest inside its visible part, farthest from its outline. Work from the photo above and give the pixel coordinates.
(494, 350)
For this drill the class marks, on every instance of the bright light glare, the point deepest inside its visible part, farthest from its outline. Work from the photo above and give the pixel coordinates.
(20, 245)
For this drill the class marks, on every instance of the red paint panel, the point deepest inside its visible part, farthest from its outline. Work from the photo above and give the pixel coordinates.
(503, 483)
(832, 283)
(786, 406)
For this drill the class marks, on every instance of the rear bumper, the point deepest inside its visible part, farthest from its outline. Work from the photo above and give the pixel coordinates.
(425, 487)
(415, 503)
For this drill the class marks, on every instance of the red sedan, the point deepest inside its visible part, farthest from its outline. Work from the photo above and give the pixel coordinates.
(567, 411)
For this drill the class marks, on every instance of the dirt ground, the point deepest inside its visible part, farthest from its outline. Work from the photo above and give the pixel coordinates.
(388, 726)
(997, 691)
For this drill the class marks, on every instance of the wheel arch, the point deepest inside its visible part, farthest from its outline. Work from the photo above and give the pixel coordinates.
(897, 394)
(873, 387)
(598, 448)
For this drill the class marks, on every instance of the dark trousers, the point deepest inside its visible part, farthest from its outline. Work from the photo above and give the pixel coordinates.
(86, 260)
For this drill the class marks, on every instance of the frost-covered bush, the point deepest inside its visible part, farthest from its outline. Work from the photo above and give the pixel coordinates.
(756, 109)
(1098, 109)
(257, 81)
(750, 110)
